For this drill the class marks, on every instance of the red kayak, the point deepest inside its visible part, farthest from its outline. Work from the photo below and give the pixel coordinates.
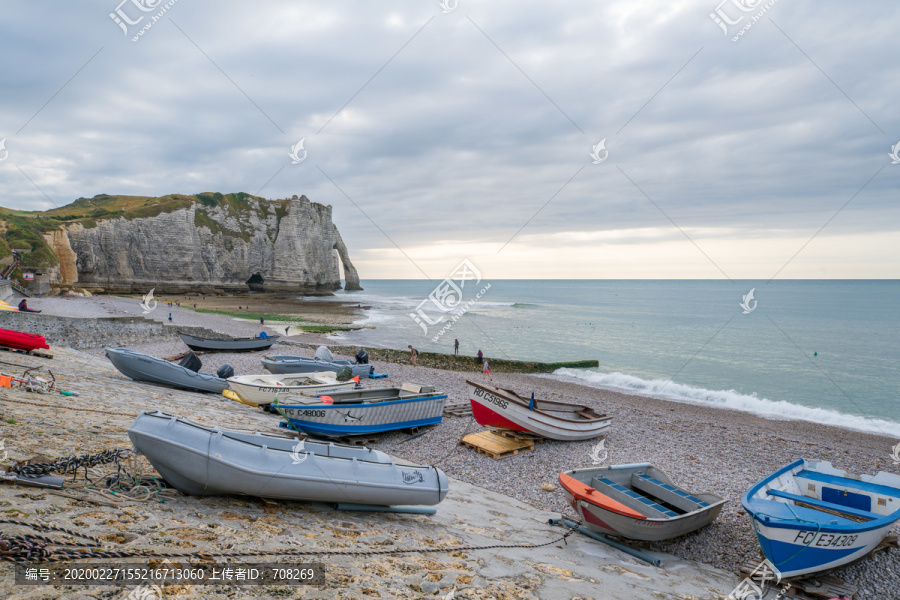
(22, 341)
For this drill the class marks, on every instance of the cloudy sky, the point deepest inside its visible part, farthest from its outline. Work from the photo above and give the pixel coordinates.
(466, 130)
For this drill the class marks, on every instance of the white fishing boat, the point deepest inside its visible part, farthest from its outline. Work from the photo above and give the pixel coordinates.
(262, 390)
(498, 407)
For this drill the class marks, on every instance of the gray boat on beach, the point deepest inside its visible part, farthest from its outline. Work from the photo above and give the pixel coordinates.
(323, 361)
(245, 344)
(143, 367)
(205, 461)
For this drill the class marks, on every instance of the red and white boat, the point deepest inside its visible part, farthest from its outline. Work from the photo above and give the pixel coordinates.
(19, 340)
(502, 408)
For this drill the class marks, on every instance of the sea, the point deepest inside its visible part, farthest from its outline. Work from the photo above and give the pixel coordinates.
(825, 351)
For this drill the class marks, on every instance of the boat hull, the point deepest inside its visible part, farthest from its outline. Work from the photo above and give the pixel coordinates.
(227, 344)
(604, 515)
(206, 461)
(142, 367)
(284, 365)
(358, 419)
(261, 389)
(19, 340)
(495, 410)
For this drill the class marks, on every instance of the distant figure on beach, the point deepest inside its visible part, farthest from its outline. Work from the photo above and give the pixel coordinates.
(455, 347)
(262, 321)
(413, 355)
(170, 317)
(478, 357)
(240, 308)
(486, 371)
(286, 329)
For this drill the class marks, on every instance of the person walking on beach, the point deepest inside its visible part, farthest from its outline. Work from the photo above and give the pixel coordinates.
(478, 357)
(413, 355)
(170, 317)
(486, 371)
(262, 321)
(456, 347)
(286, 329)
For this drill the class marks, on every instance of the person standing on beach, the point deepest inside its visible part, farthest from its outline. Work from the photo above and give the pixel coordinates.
(486, 371)
(478, 357)
(170, 317)
(456, 347)
(413, 355)
(262, 321)
(286, 329)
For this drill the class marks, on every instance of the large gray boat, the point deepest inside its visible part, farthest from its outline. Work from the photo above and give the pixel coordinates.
(323, 361)
(206, 461)
(143, 367)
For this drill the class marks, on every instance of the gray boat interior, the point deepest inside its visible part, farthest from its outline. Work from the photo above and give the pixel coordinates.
(648, 491)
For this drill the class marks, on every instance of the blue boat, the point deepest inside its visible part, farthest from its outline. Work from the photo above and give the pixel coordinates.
(811, 517)
(365, 411)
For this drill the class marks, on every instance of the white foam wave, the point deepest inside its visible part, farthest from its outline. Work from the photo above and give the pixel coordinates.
(772, 409)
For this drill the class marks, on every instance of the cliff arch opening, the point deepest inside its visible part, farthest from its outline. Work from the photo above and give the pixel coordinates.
(255, 279)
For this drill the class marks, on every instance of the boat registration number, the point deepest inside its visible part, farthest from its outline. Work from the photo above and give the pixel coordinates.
(310, 413)
(491, 398)
(811, 538)
(269, 389)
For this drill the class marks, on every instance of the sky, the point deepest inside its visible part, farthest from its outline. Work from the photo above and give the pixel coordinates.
(618, 139)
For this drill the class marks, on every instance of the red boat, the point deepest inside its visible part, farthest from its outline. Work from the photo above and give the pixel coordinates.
(22, 341)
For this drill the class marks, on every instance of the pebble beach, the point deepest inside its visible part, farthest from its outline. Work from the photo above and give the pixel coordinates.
(703, 449)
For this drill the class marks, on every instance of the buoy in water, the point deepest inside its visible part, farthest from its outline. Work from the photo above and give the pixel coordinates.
(815, 353)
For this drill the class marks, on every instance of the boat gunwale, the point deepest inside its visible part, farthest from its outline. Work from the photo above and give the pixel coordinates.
(748, 501)
(522, 404)
(357, 404)
(703, 509)
(223, 433)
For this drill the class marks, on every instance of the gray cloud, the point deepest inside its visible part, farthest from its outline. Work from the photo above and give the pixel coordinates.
(450, 140)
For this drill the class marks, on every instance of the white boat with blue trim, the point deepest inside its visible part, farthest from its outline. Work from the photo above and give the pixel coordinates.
(810, 516)
(366, 411)
(638, 502)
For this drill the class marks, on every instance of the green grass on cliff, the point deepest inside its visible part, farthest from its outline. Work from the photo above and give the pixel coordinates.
(26, 229)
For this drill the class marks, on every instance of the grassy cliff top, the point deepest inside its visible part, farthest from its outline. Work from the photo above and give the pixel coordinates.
(24, 229)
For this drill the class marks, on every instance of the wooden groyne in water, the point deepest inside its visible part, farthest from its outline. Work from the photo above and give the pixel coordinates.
(452, 362)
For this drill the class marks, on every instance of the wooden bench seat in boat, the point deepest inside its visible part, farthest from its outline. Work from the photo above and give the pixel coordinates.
(667, 493)
(632, 499)
(826, 505)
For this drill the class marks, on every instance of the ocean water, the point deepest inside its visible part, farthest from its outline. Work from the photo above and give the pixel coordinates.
(826, 351)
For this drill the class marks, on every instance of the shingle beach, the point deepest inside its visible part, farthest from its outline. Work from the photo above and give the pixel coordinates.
(704, 449)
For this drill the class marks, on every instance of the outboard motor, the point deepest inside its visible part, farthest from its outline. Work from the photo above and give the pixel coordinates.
(225, 371)
(344, 374)
(191, 362)
(362, 357)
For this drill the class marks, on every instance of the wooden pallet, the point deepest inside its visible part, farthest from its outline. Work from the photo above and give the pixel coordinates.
(458, 410)
(496, 446)
(819, 586)
(519, 436)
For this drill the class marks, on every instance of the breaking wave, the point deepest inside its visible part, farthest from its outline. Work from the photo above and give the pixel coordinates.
(731, 399)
